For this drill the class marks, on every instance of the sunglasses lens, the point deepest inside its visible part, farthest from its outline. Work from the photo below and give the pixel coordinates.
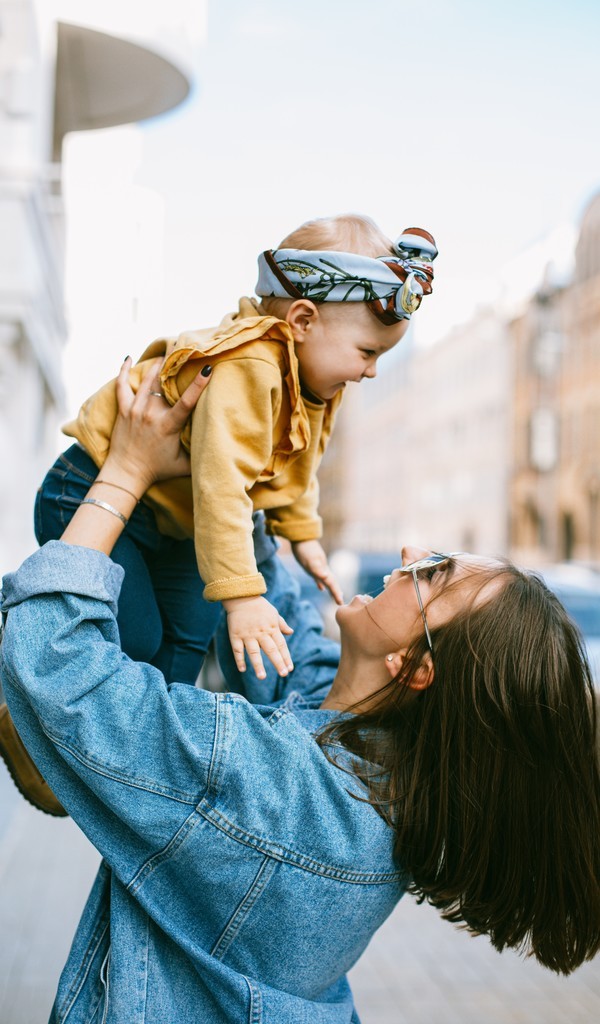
(429, 562)
(425, 563)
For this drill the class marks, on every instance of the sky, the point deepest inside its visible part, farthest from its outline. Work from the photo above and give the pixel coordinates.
(476, 121)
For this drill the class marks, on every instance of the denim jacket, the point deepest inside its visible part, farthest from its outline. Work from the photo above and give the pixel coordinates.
(241, 878)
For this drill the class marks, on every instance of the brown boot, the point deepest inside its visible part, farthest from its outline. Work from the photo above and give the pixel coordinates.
(24, 773)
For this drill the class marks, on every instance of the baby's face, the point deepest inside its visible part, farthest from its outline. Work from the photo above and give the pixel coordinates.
(344, 344)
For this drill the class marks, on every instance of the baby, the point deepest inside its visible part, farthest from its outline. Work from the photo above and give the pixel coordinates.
(335, 296)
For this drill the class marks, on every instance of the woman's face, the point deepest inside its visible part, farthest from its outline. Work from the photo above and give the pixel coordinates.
(392, 620)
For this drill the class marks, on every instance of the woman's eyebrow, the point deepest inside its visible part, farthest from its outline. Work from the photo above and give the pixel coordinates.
(445, 574)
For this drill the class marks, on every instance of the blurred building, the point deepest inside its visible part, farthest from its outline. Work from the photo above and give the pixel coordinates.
(555, 491)
(538, 341)
(55, 77)
(429, 449)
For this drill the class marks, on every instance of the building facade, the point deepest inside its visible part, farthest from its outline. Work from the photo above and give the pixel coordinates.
(428, 449)
(555, 488)
(55, 78)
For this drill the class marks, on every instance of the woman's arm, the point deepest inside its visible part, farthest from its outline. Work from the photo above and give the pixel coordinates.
(126, 756)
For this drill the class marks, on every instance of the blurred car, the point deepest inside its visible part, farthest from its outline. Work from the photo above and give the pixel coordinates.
(578, 589)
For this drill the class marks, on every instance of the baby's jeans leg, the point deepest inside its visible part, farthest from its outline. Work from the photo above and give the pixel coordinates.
(189, 622)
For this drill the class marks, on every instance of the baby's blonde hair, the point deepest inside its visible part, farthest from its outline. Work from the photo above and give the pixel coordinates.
(348, 232)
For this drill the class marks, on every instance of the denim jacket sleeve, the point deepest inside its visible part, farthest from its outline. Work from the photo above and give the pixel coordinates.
(131, 755)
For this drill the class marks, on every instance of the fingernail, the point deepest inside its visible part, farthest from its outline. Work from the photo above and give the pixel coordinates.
(126, 358)
(206, 371)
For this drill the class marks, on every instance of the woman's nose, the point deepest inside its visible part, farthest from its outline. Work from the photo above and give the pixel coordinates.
(410, 553)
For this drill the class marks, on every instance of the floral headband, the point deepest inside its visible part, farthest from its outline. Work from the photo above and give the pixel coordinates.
(392, 286)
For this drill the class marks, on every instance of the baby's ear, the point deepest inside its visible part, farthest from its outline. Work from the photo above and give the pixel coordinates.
(301, 316)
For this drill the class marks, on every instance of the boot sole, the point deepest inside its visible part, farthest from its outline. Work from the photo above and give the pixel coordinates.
(10, 745)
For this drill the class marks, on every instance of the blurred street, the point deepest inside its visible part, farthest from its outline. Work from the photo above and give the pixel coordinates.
(417, 970)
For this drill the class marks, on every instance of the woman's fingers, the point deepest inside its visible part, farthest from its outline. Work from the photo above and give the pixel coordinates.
(150, 391)
(125, 395)
(187, 402)
(146, 433)
(150, 382)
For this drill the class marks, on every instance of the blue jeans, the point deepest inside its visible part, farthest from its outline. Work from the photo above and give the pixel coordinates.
(162, 618)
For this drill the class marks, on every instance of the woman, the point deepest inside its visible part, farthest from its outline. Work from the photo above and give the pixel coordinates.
(252, 850)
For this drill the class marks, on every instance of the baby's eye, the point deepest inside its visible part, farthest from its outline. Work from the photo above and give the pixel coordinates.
(368, 353)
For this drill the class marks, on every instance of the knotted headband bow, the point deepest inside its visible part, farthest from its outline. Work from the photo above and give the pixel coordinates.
(392, 286)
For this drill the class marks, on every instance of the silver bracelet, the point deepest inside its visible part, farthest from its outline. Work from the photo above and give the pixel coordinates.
(107, 483)
(107, 507)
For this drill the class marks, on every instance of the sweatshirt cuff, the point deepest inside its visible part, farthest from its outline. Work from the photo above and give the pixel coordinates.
(235, 586)
(63, 568)
(300, 529)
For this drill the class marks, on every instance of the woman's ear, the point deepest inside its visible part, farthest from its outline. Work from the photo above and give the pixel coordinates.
(301, 316)
(421, 679)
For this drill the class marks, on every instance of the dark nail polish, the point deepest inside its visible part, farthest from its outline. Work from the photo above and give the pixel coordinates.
(206, 371)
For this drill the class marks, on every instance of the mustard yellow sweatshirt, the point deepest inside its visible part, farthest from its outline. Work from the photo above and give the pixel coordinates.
(255, 442)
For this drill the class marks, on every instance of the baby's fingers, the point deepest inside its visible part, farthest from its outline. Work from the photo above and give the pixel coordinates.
(256, 661)
(334, 588)
(237, 646)
(277, 652)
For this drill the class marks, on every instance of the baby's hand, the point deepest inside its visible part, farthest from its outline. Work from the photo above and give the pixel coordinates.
(255, 625)
(313, 560)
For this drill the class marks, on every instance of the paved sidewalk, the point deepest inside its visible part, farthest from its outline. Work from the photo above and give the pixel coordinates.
(417, 970)
(420, 969)
(46, 870)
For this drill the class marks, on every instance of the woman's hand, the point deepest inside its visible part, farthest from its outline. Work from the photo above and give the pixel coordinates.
(145, 444)
(144, 448)
(310, 555)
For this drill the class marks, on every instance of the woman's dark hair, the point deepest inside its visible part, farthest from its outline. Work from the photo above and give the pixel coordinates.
(489, 776)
